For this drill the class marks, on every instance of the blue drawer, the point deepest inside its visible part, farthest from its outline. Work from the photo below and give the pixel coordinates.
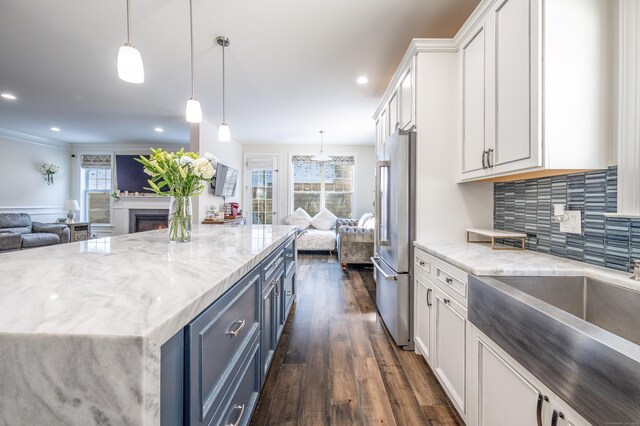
(290, 256)
(289, 295)
(215, 341)
(242, 397)
(273, 264)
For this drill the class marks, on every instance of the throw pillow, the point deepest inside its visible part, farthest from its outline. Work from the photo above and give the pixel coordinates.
(370, 224)
(365, 217)
(324, 220)
(299, 218)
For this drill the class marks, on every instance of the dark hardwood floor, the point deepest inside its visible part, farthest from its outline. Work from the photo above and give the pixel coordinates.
(336, 365)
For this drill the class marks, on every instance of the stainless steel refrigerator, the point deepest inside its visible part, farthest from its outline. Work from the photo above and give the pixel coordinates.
(395, 231)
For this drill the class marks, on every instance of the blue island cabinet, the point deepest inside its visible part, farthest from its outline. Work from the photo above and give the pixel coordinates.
(212, 371)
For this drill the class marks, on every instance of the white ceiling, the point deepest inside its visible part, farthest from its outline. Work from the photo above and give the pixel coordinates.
(291, 65)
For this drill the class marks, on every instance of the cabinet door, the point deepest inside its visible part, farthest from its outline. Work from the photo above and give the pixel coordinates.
(423, 316)
(269, 327)
(515, 79)
(380, 155)
(406, 100)
(505, 397)
(393, 123)
(450, 347)
(379, 139)
(473, 56)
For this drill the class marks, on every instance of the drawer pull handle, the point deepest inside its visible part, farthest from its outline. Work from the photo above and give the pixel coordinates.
(449, 280)
(541, 400)
(239, 325)
(421, 263)
(237, 408)
(290, 255)
(446, 301)
(276, 292)
(289, 292)
(429, 304)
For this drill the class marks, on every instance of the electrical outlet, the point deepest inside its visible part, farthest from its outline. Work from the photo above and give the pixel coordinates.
(573, 223)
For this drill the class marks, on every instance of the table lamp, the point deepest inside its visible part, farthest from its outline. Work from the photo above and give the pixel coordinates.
(70, 206)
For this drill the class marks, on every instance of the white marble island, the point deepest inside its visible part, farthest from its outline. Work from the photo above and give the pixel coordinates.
(81, 325)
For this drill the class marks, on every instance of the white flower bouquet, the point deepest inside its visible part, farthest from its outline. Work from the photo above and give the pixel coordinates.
(179, 175)
(48, 170)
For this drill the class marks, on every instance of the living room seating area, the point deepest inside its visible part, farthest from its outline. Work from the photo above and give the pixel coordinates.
(18, 231)
(354, 239)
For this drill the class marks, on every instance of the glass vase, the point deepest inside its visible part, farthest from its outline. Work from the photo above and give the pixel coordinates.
(180, 214)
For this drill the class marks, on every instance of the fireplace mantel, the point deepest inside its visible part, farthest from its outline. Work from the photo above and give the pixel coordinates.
(122, 206)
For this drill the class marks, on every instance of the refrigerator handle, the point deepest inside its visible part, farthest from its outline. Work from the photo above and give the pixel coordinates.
(386, 276)
(379, 241)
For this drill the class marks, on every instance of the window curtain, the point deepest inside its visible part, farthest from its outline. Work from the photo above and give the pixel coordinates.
(96, 162)
(347, 160)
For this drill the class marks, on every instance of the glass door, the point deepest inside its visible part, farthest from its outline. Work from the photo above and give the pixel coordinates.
(261, 191)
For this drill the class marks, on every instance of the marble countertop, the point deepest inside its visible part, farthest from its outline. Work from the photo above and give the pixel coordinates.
(481, 260)
(81, 324)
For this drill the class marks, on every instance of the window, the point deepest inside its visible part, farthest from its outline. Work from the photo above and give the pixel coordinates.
(323, 184)
(97, 187)
(261, 197)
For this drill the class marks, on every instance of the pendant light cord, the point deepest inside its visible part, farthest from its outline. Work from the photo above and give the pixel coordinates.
(224, 115)
(193, 84)
(128, 22)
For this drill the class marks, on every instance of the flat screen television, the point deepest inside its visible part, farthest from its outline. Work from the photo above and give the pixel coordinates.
(225, 180)
(130, 174)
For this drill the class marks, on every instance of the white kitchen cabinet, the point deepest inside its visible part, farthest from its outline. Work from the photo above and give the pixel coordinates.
(450, 347)
(526, 115)
(503, 393)
(505, 397)
(473, 57)
(405, 114)
(423, 316)
(392, 113)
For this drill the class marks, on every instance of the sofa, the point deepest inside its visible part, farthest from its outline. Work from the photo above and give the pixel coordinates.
(355, 239)
(18, 232)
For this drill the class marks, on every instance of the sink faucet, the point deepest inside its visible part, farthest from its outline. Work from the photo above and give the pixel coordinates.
(636, 270)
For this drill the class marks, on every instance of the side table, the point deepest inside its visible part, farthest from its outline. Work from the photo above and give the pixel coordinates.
(80, 231)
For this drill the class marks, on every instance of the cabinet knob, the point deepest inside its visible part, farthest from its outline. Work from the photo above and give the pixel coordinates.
(421, 263)
(449, 280)
(446, 301)
(289, 292)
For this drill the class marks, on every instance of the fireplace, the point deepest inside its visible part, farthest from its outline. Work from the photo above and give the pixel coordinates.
(141, 220)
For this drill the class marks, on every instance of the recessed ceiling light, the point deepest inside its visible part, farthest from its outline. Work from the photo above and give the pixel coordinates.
(159, 129)
(55, 129)
(8, 96)
(362, 80)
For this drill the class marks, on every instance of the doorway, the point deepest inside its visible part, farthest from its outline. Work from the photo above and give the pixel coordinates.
(261, 201)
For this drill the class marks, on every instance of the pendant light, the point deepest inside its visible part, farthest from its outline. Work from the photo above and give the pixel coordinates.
(224, 133)
(130, 68)
(194, 111)
(321, 156)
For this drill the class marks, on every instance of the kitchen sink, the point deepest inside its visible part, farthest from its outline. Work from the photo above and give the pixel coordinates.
(607, 306)
(578, 335)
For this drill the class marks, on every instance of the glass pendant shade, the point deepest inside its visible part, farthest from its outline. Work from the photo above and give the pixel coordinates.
(321, 156)
(224, 133)
(130, 68)
(194, 112)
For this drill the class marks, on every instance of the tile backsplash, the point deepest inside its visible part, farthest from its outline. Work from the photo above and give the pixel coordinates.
(527, 206)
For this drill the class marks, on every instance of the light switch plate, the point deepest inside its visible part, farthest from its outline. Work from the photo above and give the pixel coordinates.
(573, 224)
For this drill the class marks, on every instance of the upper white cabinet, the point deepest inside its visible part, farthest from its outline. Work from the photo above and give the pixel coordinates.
(407, 99)
(522, 114)
(398, 112)
(393, 121)
(473, 55)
